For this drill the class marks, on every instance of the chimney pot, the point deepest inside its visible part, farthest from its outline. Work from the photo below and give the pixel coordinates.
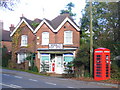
(12, 27)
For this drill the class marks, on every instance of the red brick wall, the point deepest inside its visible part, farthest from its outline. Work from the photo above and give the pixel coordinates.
(76, 35)
(59, 36)
(45, 28)
(31, 41)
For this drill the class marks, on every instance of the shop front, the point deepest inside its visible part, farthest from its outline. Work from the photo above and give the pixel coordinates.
(55, 60)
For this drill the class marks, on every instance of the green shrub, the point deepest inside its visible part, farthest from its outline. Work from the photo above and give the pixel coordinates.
(6, 56)
(35, 69)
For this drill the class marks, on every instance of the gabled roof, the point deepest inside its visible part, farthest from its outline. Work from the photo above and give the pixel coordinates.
(27, 22)
(6, 35)
(54, 24)
(57, 23)
(36, 22)
(47, 22)
(67, 19)
(58, 20)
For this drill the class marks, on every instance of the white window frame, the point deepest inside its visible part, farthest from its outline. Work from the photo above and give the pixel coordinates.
(19, 56)
(45, 38)
(66, 37)
(24, 40)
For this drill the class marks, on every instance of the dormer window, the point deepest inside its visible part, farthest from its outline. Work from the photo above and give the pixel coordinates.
(24, 40)
(68, 37)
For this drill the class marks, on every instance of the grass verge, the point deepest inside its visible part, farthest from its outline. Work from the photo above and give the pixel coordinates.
(37, 73)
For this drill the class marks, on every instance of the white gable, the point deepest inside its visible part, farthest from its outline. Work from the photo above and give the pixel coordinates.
(44, 21)
(56, 30)
(23, 20)
(67, 19)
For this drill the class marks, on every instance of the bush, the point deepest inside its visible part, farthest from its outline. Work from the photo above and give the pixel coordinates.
(115, 75)
(35, 69)
(115, 69)
(6, 56)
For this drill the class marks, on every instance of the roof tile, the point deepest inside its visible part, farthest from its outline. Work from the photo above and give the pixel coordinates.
(6, 35)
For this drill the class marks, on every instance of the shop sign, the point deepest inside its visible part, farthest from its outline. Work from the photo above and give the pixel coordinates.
(55, 46)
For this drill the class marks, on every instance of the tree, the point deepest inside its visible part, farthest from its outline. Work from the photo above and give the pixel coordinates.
(81, 62)
(106, 25)
(6, 56)
(30, 58)
(68, 9)
(8, 4)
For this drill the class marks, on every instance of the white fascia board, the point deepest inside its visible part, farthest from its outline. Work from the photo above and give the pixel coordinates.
(67, 19)
(23, 20)
(44, 21)
(28, 25)
(38, 26)
(70, 48)
(49, 25)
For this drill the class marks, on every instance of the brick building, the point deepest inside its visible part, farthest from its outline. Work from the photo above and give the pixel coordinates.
(5, 38)
(54, 42)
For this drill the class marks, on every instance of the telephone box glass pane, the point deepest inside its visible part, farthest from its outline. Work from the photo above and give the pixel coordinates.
(98, 58)
(107, 57)
(98, 64)
(98, 69)
(98, 75)
(98, 55)
(98, 61)
(98, 72)
(106, 75)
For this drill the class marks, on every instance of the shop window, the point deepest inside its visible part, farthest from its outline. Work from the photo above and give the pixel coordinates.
(68, 59)
(44, 62)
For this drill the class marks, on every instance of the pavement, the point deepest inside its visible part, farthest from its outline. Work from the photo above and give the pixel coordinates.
(19, 79)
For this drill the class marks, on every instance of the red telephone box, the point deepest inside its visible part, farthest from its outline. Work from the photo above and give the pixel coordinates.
(101, 64)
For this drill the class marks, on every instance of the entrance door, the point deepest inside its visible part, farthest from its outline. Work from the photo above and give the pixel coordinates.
(52, 65)
(59, 64)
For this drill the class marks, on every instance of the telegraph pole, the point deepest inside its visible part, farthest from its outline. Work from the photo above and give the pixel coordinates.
(91, 41)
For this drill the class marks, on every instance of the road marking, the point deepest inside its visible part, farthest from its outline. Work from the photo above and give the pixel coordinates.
(33, 80)
(50, 83)
(18, 77)
(6, 74)
(70, 87)
(15, 86)
(63, 79)
(11, 85)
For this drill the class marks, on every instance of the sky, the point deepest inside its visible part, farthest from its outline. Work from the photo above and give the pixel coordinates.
(32, 9)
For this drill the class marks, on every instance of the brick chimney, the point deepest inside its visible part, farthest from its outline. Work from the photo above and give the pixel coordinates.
(22, 17)
(12, 28)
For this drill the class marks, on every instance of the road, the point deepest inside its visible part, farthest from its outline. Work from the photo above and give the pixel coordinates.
(19, 79)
